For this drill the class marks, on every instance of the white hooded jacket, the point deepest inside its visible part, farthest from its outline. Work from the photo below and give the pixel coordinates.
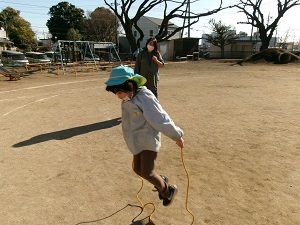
(143, 119)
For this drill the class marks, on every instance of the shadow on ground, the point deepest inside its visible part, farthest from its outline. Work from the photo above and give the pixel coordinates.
(68, 133)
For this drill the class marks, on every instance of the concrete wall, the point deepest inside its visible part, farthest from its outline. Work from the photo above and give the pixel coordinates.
(238, 50)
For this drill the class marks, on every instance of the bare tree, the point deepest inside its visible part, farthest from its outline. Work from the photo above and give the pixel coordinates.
(256, 18)
(178, 11)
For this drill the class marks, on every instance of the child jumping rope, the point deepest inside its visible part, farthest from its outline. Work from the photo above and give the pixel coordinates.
(143, 121)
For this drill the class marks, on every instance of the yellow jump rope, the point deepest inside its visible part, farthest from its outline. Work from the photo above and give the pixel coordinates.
(186, 199)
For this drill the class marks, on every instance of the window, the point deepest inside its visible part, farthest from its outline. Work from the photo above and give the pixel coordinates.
(151, 33)
(135, 33)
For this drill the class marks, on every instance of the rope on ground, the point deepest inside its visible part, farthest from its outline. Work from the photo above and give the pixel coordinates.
(188, 186)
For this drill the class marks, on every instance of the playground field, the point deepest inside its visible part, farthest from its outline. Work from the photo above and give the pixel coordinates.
(63, 160)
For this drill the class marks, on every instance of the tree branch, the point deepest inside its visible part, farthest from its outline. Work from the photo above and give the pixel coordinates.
(255, 17)
(178, 11)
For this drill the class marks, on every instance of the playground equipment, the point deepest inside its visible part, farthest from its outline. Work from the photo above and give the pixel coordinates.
(83, 53)
(7, 73)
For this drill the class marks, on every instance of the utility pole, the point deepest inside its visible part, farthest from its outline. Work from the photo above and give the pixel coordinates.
(187, 12)
(189, 18)
(269, 17)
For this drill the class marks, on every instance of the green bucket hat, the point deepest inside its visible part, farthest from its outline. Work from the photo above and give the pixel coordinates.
(122, 73)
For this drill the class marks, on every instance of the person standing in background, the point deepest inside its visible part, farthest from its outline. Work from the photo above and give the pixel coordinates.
(147, 64)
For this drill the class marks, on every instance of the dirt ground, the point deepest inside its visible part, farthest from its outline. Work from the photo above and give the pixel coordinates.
(63, 159)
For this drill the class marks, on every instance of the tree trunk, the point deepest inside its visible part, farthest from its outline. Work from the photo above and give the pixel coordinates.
(265, 38)
(129, 35)
(222, 52)
(264, 44)
(132, 42)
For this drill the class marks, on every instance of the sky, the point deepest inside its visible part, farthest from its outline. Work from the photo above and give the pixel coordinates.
(36, 13)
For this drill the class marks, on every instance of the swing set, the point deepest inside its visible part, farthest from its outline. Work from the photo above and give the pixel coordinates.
(83, 55)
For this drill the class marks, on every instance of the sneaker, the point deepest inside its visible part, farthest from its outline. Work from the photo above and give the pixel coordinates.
(173, 191)
(166, 179)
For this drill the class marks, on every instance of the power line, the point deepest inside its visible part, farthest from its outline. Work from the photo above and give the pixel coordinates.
(24, 4)
(40, 6)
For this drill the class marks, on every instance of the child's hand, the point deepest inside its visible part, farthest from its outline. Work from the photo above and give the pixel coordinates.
(180, 143)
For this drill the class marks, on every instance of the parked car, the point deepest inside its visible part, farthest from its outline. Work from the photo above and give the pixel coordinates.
(13, 57)
(106, 56)
(55, 57)
(89, 56)
(37, 57)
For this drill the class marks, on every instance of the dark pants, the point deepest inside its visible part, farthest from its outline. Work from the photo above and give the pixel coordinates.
(155, 93)
(143, 165)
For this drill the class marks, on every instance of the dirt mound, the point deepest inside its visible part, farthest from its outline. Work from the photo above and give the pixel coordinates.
(275, 55)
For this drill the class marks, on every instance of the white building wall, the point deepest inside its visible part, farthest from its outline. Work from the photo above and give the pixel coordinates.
(175, 36)
(2, 33)
(147, 25)
(2, 37)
